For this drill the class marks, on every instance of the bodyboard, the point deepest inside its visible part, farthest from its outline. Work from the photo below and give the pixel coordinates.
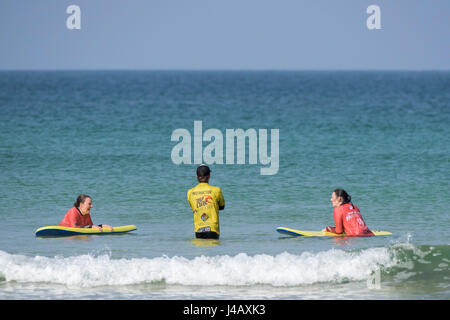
(304, 233)
(58, 231)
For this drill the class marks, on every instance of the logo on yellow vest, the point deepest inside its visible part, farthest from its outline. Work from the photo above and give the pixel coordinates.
(203, 201)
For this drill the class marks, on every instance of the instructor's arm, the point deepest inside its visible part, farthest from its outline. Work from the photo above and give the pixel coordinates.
(221, 201)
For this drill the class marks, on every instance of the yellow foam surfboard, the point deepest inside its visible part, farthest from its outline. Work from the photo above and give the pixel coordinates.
(294, 232)
(58, 231)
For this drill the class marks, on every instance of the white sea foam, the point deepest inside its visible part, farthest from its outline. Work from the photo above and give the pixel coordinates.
(285, 269)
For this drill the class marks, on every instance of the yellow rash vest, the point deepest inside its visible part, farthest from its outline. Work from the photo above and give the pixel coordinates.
(205, 201)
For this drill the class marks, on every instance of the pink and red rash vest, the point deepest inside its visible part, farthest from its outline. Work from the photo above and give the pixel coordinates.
(75, 219)
(348, 220)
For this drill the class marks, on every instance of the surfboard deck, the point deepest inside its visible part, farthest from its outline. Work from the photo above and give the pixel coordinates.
(58, 231)
(303, 233)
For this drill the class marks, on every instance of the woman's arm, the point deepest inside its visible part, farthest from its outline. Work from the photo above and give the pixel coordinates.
(101, 226)
(339, 227)
(338, 221)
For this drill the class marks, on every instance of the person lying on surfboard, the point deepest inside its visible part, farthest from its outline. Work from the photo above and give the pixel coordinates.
(347, 217)
(79, 215)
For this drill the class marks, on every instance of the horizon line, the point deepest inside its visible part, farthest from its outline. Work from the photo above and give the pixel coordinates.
(230, 70)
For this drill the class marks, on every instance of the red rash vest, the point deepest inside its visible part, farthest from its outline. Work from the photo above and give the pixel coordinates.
(348, 220)
(75, 219)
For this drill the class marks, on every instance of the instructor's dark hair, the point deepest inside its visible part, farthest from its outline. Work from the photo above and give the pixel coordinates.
(203, 171)
(81, 198)
(346, 198)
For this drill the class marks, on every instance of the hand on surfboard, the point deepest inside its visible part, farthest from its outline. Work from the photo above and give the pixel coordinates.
(100, 228)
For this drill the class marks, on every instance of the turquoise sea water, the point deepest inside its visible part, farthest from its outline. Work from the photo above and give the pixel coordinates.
(382, 136)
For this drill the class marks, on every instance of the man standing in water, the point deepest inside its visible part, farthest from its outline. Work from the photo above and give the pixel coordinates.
(205, 201)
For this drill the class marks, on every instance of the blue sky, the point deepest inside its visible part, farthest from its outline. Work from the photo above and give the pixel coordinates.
(225, 35)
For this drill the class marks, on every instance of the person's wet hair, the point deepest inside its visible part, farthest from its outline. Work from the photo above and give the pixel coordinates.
(346, 198)
(81, 198)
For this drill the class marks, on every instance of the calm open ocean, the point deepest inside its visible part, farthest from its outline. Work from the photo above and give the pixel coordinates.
(382, 136)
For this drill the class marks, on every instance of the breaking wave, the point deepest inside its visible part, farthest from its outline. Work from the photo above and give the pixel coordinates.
(285, 269)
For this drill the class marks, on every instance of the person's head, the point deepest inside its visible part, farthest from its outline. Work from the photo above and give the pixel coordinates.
(340, 197)
(84, 203)
(203, 173)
